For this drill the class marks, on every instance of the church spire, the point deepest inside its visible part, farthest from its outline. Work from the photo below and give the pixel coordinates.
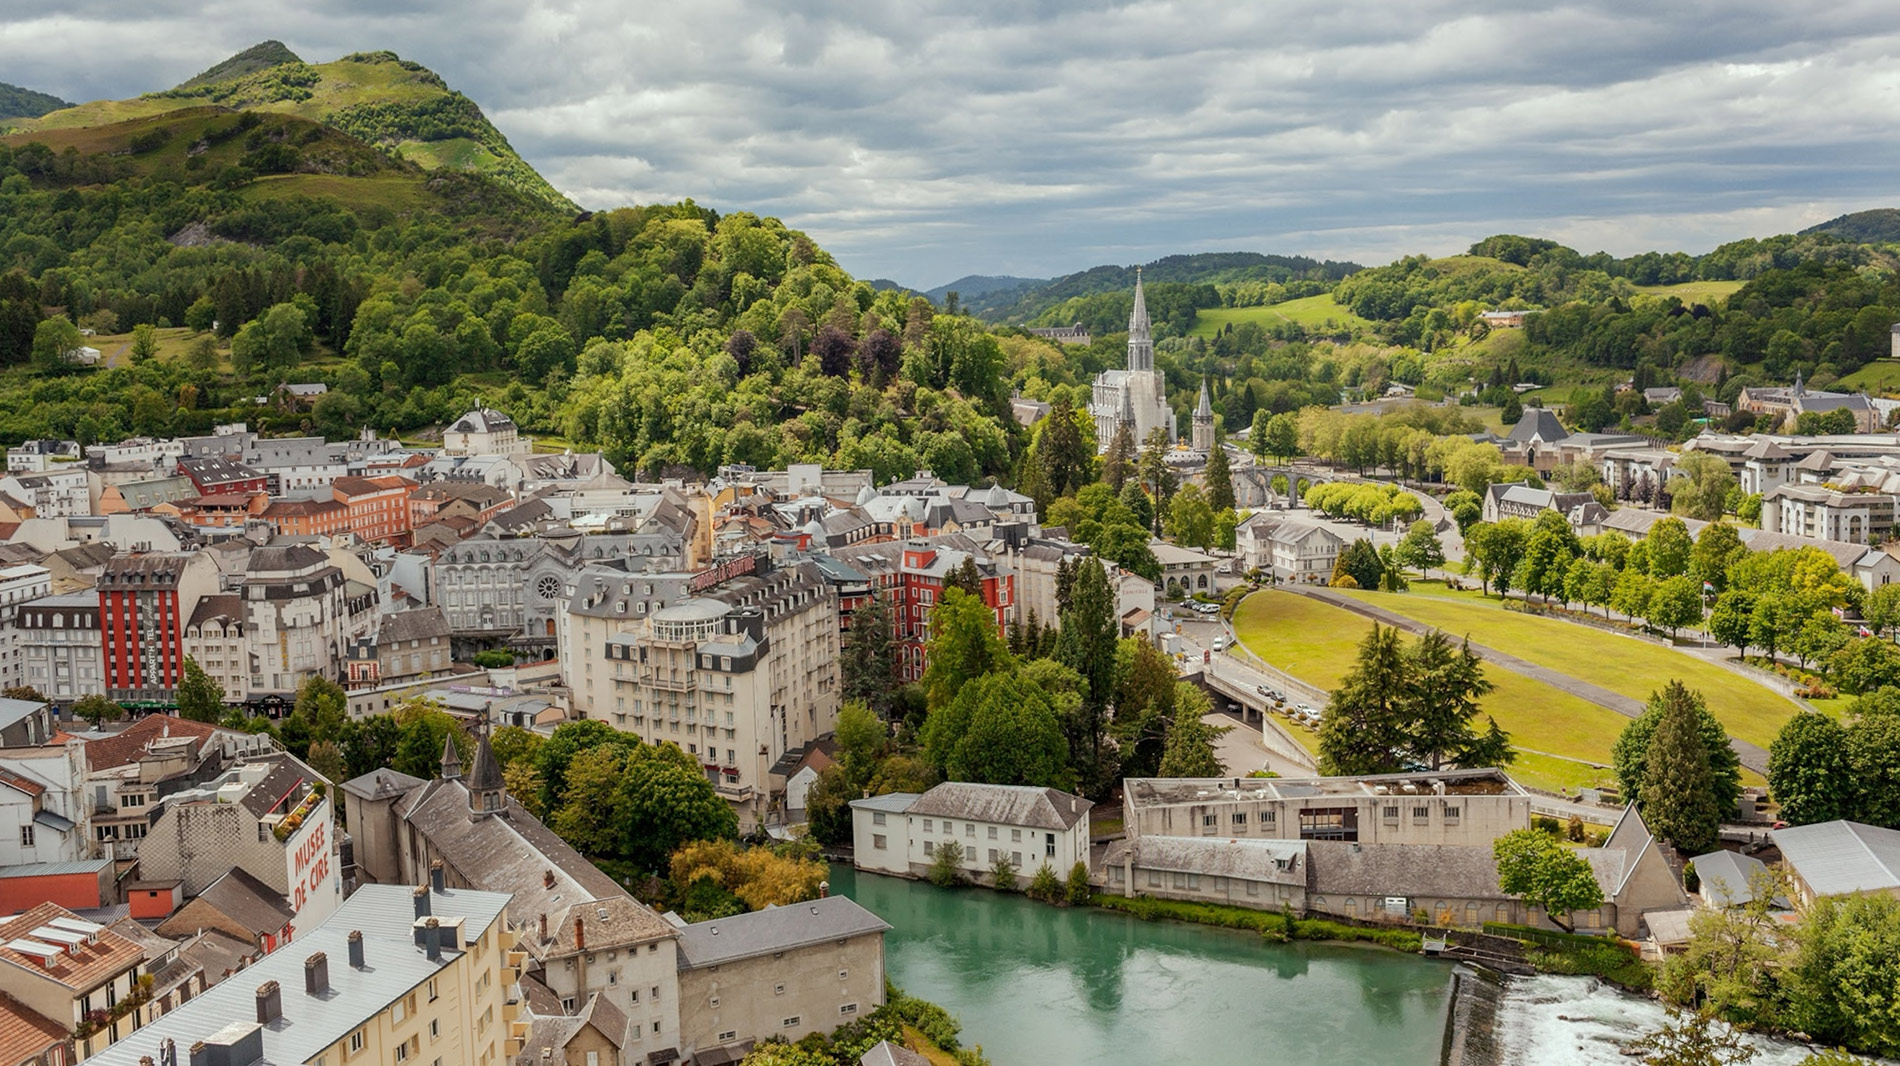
(1141, 345)
(451, 759)
(1204, 421)
(1205, 409)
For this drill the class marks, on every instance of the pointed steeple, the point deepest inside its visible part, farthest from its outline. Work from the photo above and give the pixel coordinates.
(451, 759)
(1799, 389)
(1204, 421)
(486, 790)
(1141, 345)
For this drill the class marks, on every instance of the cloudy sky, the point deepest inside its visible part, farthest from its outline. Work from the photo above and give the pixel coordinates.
(926, 139)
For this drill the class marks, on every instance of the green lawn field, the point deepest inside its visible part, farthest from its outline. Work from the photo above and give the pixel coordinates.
(1317, 643)
(1310, 311)
(1879, 376)
(1694, 292)
(1624, 665)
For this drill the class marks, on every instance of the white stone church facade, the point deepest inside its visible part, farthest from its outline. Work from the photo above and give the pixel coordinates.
(1137, 395)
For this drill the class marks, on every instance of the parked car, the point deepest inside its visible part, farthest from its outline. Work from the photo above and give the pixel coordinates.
(1220, 643)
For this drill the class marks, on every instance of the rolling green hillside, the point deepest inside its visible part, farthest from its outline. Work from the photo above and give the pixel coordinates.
(376, 97)
(1879, 226)
(16, 102)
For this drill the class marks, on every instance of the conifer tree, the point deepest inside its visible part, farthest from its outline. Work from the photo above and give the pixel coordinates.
(1220, 480)
(1679, 799)
(1118, 463)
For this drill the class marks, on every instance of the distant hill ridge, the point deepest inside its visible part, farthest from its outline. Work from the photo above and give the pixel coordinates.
(1023, 302)
(16, 102)
(1878, 226)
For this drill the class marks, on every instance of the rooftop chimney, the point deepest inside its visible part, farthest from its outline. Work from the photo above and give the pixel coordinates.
(435, 876)
(432, 938)
(544, 928)
(316, 973)
(356, 949)
(422, 901)
(580, 934)
(270, 1003)
(547, 878)
(824, 889)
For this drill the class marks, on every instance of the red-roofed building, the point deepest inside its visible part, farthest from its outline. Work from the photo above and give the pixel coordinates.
(307, 518)
(74, 973)
(29, 1038)
(214, 476)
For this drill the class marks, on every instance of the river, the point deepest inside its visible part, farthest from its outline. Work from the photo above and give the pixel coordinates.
(1040, 986)
(1037, 985)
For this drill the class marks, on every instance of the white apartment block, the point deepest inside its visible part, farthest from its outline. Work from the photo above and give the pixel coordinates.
(60, 646)
(736, 676)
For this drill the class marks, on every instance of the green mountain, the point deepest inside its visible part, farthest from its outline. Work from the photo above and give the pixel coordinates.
(1878, 226)
(16, 102)
(376, 97)
(261, 56)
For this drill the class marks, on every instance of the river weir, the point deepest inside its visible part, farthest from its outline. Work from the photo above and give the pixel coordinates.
(1038, 985)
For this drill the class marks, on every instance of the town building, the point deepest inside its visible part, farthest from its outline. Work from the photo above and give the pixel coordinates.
(736, 675)
(1519, 500)
(911, 575)
(1136, 396)
(1184, 570)
(145, 600)
(1442, 807)
(396, 975)
(1822, 513)
(60, 647)
(780, 973)
(43, 812)
(296, 618)
(74, 972)
(376, 508)
(64, 491)
(33, 456)
(240, 906)
(405, 646)
(216, 639)
(1839, 858)
(484, 432)
(216, 476)
(900, 833)
(1790, 403)
(1293, 551)
(128, 774)
(271, 816)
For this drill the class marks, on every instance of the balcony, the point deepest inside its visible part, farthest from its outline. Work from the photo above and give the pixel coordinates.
(668, 684)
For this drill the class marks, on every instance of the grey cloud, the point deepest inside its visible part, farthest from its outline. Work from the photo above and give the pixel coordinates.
(928, 139)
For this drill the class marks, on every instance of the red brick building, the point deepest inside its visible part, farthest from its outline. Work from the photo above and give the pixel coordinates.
(213, 476)
(911, 577)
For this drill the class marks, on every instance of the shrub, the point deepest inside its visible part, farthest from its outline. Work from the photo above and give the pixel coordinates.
(1003, 875)
(1078, 890)
(946, 868)
(1547, 824)
(1573, 829)
(1045, 885)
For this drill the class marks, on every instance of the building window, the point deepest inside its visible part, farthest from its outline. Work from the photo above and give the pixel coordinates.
(849, 1008)
(26, 836)
(930, 847)
(730, 1034)
(927, 825)
(1049, 844)
(356, 1041)
(878, 841)
(1421, 815)
(1015, 835)
(877, 817)
(1451, 815)
(992, 832)
(1391, 815)
(1240, 818)
(969, 829)
(435, 1028)
(789, 1023)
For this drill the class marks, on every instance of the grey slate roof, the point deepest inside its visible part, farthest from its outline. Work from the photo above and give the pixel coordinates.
(381, 783)
(886, 1053)
(1273, 861)
(1728, 878)
(1540, 423)
(890, 802)
(394, 965)
(1841, 858)
(248, 901)
(13, 711)
(743, 936)
(1024, 805)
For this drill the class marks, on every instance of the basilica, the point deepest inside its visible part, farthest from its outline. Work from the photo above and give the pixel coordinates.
(1138, 395)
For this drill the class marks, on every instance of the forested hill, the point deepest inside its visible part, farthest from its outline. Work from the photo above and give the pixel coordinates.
(376, 97)
(1063, 300)
(1879, 226)
(16, 102)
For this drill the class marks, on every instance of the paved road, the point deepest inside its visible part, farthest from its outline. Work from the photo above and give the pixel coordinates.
(1752, 756)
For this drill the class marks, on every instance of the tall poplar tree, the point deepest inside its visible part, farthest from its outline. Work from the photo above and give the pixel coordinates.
(1220, 480)
(1087, 645)
(1118, 463)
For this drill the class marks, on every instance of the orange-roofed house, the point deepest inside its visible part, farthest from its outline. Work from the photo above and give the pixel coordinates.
(73, 972)
(308, 518)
